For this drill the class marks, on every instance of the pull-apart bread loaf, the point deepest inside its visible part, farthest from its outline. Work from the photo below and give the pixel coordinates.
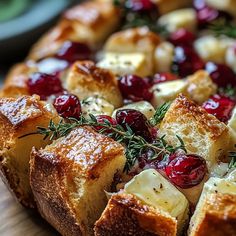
(216, 210)
(68, 179)
(19, 117)
(148, 205)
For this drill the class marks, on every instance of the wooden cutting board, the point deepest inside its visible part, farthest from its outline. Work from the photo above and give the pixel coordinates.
(15, 220)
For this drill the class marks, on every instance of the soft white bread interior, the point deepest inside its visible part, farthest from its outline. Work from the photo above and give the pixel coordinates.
(126, 215)
(92, 28)
(85, 79)
(216, 210)
(154, 190)
(19, 117)
(202, 133)
(135, 40)
(68, 179)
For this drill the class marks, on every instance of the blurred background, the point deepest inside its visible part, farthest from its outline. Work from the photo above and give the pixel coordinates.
(22, 22)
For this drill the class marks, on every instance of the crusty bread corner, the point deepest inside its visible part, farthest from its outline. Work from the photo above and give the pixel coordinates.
(15, 83)
(19, 117)
(85, 79)
(126, 215)
(92, 28)
(215, 213)
(68, 179)
(202, 133)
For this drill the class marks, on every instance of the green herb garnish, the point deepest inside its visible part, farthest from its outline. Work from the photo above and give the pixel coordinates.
(232, 163)
(221, 27)
(135, 145)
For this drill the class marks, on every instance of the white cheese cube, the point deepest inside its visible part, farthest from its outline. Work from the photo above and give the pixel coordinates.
(167, 91)
(230, 57)
(153, 189)
(143, 106)
(96, 106)
(211, 48)
(183, 18)
(163, 57)
(126, 63)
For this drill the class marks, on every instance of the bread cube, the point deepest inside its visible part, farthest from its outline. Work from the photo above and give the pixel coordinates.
(200, 86)
(167, 91)
(85, 79)
(153, 192)
(216, 210)
(92, 28)
(19, 117)
(68, 179)
(126, 63)
(96, 106)
(163, 57)
(143, 106)
(202, 133)
(126, 215)
(183, 18)
(135, 40)
(15, 83)
(211, 48)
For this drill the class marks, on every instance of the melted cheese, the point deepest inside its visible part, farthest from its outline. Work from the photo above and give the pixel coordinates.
(153, 189)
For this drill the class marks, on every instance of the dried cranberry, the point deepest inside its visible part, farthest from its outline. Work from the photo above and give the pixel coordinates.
(221, 74)
(68, 105)
(164, 77)
(219, 106)
(140, 5)
(134, 88)
(182, 37)
(186, 61)
(44, 85)
(136, 121)
(186, 170)
(72, 51)
(52, 65)
(102, 119)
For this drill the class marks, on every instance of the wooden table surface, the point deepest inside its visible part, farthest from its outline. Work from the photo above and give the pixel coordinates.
(17, 221)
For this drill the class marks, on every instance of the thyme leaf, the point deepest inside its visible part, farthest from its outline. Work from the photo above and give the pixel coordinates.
(135, 144)
(221, 27)
(232, 163)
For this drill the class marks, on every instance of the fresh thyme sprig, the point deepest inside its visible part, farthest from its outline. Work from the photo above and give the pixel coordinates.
(221, 27)
(135, 145)
(159, 114)
(232, 163)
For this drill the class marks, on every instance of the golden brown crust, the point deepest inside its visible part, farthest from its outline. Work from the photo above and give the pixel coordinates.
(183, 107)
(86, 79)
(101, 19)
(19, 117)
(126, 215)
(64, 173)
(219, 216)
(15, 83)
